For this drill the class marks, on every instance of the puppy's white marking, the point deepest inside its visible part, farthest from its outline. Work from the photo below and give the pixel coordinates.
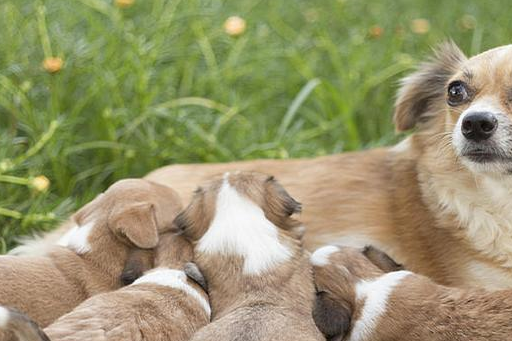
(64, 240)
(375, 295)
(175, 279)
(77, 238)
(321, 256)
(241, 228)
(4, 317)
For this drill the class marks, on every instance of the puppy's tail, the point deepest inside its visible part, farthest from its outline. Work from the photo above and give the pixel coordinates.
(19, 324)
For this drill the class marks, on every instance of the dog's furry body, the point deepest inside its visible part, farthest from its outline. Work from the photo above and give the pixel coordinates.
(444, 213)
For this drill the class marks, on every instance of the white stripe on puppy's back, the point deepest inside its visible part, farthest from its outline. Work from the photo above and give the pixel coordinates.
(240, 228)
(375, 295)
(4, 317)
(175, 279)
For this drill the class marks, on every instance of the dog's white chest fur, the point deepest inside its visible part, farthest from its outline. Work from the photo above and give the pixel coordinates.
(484, 212)
(240, 228)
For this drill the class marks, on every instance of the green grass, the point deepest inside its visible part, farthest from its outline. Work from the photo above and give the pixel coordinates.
(161, 82)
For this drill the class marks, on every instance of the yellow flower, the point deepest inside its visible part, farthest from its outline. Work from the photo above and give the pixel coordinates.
(124, 3)
(40, 183)
(53, 64)
(234, 26)
(376, 31)
(420, 26)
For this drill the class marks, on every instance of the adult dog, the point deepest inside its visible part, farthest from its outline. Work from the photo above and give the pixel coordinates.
(438, 201)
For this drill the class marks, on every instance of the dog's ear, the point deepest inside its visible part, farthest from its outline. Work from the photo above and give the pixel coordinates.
(381, 259)
(138, 262)
(193, 272)
(137, 222)
(422, 93)
(282, 202)
(332, 317)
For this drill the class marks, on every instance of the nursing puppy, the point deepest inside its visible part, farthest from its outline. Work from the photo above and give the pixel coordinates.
(363, 295)
(250, 251)
(109, 246)
(162, 305)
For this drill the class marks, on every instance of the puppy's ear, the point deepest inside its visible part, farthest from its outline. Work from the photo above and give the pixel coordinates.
(281, 200)
(381, 259)
(181, 223)
(137, 222)
(193, 272)
(422, 93)
(138, 262)
(332, 317)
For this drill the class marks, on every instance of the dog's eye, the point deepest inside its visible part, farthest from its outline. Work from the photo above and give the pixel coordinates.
(457, 93)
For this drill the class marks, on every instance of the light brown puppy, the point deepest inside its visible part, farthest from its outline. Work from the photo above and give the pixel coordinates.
(109, 246)
(439, 202)
(250, 251)
(162, 305)
(362, 297)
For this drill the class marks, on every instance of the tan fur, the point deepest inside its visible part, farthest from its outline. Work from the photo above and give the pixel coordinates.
(417, 308)
(273, 305)
(49, 286)
(141, 311)
(145, 311)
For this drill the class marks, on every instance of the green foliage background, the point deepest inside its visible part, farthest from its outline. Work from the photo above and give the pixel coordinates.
(161, 82)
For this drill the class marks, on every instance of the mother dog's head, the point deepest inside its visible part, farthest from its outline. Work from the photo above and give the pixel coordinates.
(463, 107)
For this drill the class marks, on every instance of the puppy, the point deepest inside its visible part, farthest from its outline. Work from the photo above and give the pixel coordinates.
(163, 304)
(249, 250)
(364, 295)
(109, 246)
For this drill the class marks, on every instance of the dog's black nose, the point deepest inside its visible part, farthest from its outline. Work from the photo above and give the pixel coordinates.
(479, 126)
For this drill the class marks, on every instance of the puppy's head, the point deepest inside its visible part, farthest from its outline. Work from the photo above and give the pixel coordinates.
(467, 102)
(235, 199)
(132, 213)
(173, 251)
(337, 270)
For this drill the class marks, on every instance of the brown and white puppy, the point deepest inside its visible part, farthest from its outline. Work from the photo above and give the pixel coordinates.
(363, 295)
(109, 246)
(250, 251)
(163, 304)
(438, 201)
